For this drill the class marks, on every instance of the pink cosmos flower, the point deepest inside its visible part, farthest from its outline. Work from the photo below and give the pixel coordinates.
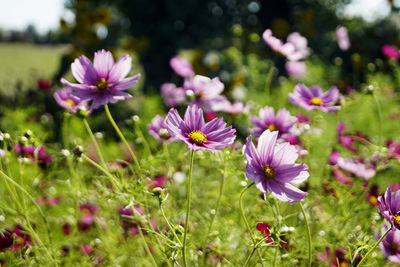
(103, 81)
(181, 66)
(282, 122)
(343, 38)
(205, 92)
(231, 108)
(264, 230)
(356, 167)
(66, 99)
(172, 95)
(315, 98)
(390, 245)
(389, 207)
(272, 167)
(390, 51)
(196, 133)
(159, 129)
(294, 50)
(296, 69)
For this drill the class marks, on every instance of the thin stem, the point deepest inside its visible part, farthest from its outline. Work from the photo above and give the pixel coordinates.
(153, 261)
(110, 118)
(374, 247)
(249, 257)
(96, 144)
(113, 180)
(169, 225)
(9, 179)
(189, 196)
(245, 220)
(308, 234)
(221, 190)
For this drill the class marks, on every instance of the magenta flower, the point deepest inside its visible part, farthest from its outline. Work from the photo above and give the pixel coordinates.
(343, 38)
(196, 133)
(34, 153)
(296, 69)
(272, 167)
(390, 245)
(389, 206)
(390, 52)
(294, 50)
(172, 95)
(181, 66)
(159, 129)
(103, 81)
(358, 168)
(281, 122)
(315, 98)
(264, 230)
(66, 99)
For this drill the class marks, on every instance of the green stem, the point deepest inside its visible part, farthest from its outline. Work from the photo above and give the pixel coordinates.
(110, 118)
(221, 190)
(249, 257)
(113, 180)
(9, 179)
(169, 225)
(268, 84)
(374, 247)
(308, 234)
(247, 224)
(189, 196)
(96, 144)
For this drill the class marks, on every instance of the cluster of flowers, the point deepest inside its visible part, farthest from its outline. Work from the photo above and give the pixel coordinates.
(198, 90)
(271, 165)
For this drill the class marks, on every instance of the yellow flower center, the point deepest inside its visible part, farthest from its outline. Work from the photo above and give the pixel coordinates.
(269, 172)
(316, 101)
(19, 240)
(272, 127)
(102, 84)
(344, 264)
(373, 200)
(396, 219)
(197, 137)
(70, 102)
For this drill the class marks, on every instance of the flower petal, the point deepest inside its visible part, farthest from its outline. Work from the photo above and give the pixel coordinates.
(125, 83)
(286, 192)
(194, 118)
(103, 62)
(83, 71)
(266, 146)
(120, 69)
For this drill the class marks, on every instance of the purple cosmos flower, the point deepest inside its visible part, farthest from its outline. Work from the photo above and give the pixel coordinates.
(66, 99)
(272, 167)
(390, 245)
(181, 66)
(294, 50)
(205, 92)
(390, 51)
(389, 206)
(281, 122)
(196, 133)
(356, 167)
(296, 69)
(343, 38)
(103, 81)
(159, 129)
(315, 98)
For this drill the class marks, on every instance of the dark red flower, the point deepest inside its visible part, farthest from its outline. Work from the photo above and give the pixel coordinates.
(264, 230)
(44, 84)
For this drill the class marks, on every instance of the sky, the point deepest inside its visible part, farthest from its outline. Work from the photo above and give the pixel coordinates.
(45, 14)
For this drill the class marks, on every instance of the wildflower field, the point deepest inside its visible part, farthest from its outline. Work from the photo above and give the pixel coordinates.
(261, 161)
